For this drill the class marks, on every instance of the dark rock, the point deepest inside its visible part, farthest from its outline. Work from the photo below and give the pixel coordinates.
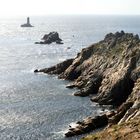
(40, 42)
(91, 87)
(79, 122)
(70, 134)
(35, 71)
(71, 86)
(59, 42)
(88, 125)
(120, 113)
(50, 38)
(81, 93)
(68, 47)
(61, 67)
(137, 37)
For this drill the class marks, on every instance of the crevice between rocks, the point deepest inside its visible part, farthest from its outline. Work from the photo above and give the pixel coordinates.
(91, 87)
(118, 94)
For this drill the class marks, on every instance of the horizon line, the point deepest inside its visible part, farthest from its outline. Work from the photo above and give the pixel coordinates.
(39, 15)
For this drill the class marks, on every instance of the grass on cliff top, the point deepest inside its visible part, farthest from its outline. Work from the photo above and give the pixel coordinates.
(124, 131)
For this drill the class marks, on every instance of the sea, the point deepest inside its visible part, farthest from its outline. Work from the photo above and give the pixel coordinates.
(39, 106)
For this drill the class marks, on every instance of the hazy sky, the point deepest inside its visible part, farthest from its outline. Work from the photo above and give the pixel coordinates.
(46, 7)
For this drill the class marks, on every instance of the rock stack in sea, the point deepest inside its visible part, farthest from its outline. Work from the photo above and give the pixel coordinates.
(50, 38)
(109, 70)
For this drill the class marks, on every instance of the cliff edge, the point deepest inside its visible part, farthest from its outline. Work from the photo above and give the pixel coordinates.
(110, 71)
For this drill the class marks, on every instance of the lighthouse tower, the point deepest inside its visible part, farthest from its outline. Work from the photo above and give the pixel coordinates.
(27, 24)
(28, 20)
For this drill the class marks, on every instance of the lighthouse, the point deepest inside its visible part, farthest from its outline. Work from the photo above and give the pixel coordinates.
(27, 24)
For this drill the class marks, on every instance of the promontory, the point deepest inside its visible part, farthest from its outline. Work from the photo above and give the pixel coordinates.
(110, 72)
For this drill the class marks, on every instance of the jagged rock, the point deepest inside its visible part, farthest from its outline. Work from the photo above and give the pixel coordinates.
(50, 38)
(59, 68)
(104, 68)
(134, 110)
(88, 125)
(120, 113)
(91, 87)
(109, 69)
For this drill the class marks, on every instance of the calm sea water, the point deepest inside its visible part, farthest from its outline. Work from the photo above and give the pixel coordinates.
(38, 106)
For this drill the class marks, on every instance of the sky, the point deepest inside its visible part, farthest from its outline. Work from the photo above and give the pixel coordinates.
(68, 7)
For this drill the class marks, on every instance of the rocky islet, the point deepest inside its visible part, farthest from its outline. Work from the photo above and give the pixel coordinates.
(50, 38)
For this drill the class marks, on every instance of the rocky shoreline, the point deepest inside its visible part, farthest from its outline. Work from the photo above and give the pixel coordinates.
(109, 70)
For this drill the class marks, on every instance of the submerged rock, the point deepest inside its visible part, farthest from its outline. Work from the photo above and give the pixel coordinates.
(50, 38)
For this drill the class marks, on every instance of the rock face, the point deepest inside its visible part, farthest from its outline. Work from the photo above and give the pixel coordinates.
(109, 69)
(50, 38)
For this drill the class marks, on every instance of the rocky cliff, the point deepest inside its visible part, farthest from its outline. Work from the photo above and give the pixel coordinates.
(109, 70)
